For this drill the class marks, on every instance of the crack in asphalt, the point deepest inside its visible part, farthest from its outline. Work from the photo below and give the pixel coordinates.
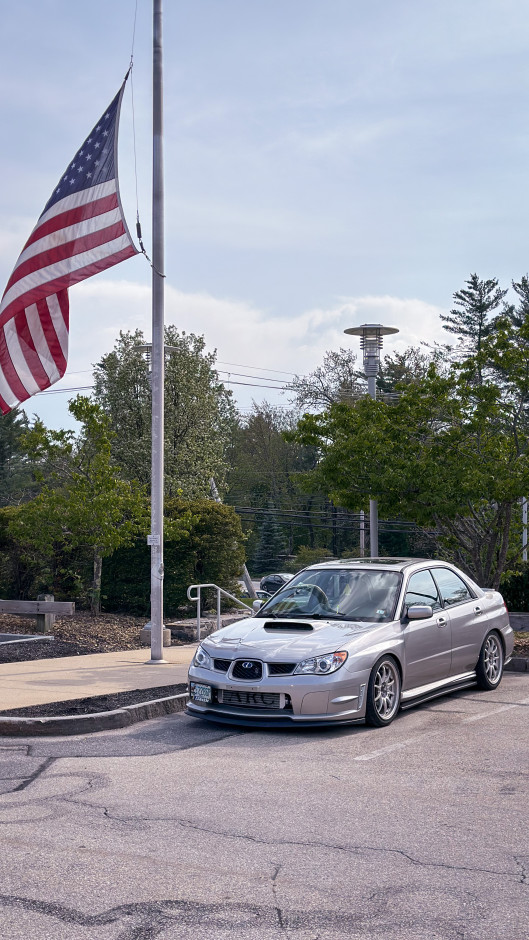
(34, 776)
(524, 873)
(149, 920)
(277, 869)
(331, 846)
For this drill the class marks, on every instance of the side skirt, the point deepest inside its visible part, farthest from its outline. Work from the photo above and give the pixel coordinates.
(436, 689)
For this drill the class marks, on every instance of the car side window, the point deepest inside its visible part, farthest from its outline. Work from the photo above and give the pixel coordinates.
(422, 590)
(452, 589)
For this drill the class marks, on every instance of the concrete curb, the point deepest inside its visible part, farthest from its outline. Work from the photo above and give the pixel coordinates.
(518, 664)
(98, 721)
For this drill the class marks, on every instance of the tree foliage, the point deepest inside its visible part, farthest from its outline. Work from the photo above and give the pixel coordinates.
(15, 470)
(198, 412)
(471, 318)
(203, 542)
(337, 379)
(84, 504)
(450, 454)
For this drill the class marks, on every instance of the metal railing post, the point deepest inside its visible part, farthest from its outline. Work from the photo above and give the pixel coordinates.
(219, 591)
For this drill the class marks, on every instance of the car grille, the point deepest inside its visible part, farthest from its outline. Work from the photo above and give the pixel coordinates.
(247, 669)
(280, 669)
(222, 664)
(250, 699)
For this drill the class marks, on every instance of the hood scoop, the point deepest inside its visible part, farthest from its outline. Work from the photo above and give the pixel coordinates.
(287, 626)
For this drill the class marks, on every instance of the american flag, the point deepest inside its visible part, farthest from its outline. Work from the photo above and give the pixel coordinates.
(81, 231)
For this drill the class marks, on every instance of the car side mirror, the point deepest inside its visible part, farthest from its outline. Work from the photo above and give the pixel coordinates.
(419, 612)
(257, 605)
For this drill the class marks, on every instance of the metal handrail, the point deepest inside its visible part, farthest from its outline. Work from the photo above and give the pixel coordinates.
(219, 591)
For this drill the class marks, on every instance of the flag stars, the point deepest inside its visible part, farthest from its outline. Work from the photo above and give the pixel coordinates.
(105, 133)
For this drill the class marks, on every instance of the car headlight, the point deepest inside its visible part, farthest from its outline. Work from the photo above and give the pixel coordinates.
(320, 665)
(202, 659)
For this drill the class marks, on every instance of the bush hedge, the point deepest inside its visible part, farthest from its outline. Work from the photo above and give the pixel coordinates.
(208, 546)
(203, 542)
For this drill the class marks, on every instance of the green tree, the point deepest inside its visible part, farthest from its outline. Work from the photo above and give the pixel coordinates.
(470, 318)
(266, 467)
(15, 471)
(199, 413)
(447, 455)
(85, 504)
(337, 379)
(203, 543)
(271, 545)
(400, 368)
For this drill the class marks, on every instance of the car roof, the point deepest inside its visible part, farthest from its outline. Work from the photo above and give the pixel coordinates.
(387, 564)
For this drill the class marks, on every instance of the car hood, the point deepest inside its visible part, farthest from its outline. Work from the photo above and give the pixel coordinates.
(281, 640)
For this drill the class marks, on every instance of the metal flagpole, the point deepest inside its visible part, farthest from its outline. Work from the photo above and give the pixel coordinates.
(157, 362)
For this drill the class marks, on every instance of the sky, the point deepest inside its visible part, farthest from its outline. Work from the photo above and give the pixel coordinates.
(327, 163)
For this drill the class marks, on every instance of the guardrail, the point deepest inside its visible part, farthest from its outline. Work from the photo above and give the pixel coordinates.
(219, 590)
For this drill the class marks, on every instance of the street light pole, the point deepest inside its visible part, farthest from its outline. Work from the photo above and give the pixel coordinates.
(371, 340)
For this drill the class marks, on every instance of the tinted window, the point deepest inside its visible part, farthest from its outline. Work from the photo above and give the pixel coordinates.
(422, 590)
(453, 590)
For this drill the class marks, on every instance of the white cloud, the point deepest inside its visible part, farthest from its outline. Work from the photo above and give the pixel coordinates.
(241, 333)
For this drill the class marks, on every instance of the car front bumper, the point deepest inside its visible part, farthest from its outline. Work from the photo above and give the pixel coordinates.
(298, 700)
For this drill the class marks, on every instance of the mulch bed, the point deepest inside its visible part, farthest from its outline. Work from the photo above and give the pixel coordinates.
(96, 703)
(521, 644)
(73, 636)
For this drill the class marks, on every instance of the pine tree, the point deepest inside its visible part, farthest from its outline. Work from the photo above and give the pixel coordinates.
(271, 545)
(15, 470)
(470, 318)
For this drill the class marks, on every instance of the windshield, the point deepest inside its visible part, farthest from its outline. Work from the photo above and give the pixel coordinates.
(337, 594)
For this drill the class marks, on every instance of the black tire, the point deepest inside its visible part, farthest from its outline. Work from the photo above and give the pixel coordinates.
(489, 670)
(383, 693)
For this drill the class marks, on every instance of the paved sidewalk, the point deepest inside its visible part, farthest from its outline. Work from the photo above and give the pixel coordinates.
(70, 677)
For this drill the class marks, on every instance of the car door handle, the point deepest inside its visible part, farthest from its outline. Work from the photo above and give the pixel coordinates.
(441, 621)
(477, 610)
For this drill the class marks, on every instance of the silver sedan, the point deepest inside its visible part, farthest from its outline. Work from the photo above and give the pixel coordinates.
(353, 641)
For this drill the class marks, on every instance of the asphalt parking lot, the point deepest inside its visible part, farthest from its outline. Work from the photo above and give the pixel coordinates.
(177, 829)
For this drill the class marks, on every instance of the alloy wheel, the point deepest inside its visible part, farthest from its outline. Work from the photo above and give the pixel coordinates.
(386, 690)
(492, 658)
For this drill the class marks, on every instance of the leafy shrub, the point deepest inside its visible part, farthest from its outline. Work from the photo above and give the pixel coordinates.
(203, 543)
(515, 590)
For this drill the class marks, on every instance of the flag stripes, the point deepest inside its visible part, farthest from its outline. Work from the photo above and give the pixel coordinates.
(81, 232)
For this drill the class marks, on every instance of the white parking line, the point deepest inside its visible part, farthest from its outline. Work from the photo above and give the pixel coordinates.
(495, 711)
(372, 755)
(391, 747)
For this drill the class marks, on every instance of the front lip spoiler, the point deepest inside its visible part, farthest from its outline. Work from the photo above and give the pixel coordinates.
(258, 721)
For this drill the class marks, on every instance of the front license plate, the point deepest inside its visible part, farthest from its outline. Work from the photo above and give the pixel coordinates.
(200, 693)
